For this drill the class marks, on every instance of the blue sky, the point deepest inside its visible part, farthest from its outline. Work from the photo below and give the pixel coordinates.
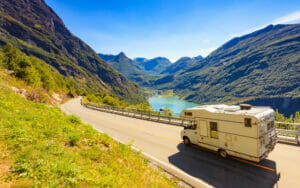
(169, 28)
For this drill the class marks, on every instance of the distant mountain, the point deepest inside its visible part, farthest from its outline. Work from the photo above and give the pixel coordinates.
(131, 69)
(106, 57)
(198, 57)
(262, 64)
(140, 59)
(122, 63)
(156, 65)
(35, 29)
(179, 65)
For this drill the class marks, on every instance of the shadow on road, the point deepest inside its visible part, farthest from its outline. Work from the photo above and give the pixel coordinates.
(220, 172)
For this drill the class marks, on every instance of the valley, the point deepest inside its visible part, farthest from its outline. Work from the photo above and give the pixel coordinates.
(260, 68)
(56, 67)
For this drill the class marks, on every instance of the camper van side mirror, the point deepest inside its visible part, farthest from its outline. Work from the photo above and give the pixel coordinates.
(193, 127)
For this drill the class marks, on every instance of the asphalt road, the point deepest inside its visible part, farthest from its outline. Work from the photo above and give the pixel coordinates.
(163, 142)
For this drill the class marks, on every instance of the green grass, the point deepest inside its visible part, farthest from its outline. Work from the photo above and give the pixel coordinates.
(34, 71)
(42, 147)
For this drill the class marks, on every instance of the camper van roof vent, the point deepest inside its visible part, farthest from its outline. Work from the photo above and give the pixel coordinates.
(245, 106)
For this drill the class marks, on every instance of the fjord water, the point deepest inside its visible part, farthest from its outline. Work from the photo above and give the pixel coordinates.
(173, 103)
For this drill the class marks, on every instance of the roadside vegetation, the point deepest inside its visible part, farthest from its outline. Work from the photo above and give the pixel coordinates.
(292, 119)
(104, 99)
(37, 74)
(42, 147)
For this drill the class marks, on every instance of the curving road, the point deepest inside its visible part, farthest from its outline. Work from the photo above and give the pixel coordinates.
(163, 142)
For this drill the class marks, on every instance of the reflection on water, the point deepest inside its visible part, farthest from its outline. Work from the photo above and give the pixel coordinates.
(173, 103)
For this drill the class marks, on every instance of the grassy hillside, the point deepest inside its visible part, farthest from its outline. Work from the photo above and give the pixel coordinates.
(262, 64)
(35, 29)
(42, 147)
(34, 71)
(33, 78)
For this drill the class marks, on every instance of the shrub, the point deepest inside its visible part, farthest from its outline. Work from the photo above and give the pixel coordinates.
(167, 111)
(33, 96)
(34, 71)
(74, 138)
(74, 119)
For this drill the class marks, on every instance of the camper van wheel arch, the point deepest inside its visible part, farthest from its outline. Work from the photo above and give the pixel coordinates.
(223, 153)
(186, 141)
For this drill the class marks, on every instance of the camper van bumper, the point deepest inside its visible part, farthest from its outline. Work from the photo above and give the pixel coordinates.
(270, 148)
(265, 155)
(272, 137)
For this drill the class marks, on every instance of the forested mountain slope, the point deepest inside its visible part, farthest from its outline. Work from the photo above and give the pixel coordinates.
(180, 65)
(128, 67)
(265, 63)
(35, 29)
(122, 63)
(156, 65)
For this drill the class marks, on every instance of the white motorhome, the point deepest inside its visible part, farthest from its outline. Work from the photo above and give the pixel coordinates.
(243, 131)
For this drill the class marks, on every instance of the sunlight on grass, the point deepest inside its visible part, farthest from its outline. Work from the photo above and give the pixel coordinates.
(46, 148)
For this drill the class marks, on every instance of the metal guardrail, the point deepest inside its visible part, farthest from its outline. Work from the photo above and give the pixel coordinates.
(140, 114)
(288, 131)
(284, 134)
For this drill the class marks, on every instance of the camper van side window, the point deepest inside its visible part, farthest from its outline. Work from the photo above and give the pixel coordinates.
(213, 130)
(248, 122)
(188, 114)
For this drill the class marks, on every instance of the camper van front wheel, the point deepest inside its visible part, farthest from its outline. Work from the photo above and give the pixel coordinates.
(186, 141)
(223, 153)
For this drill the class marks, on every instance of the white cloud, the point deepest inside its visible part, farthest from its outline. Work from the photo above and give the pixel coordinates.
(290, 18)
(206, 51)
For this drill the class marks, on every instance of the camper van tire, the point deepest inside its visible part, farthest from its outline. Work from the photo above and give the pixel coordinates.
(223, 153)
(186, 141)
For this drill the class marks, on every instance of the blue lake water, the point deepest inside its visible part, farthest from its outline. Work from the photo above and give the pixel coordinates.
(173, 103)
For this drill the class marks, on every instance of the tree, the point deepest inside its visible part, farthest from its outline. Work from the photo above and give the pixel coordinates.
(167, 111)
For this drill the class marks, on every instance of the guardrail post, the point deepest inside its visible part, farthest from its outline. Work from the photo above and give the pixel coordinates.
(297, 139)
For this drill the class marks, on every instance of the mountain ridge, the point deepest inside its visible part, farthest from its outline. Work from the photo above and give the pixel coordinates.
(34, 28)
(156, 65)
(264, 63)
(146, 71)
(181, 64)
(128, 67)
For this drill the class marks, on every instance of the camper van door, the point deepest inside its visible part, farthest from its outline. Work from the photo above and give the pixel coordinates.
(202, 128)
